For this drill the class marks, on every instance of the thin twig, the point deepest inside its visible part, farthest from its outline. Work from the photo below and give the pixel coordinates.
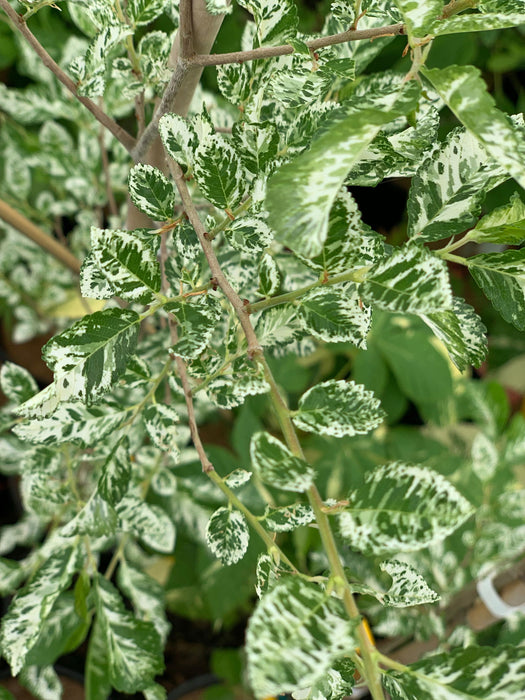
(217, 59)
(19, 23)
(113, 208)
(28, 229)
(186, 29)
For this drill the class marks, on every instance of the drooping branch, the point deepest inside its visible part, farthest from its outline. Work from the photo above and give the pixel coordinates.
(19, 24)
(31, 231)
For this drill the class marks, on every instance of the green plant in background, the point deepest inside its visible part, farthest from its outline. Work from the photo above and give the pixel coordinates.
(242, 277)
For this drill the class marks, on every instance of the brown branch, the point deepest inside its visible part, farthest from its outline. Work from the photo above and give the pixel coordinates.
(113, 208)
(218, 59)
(186, 29)
(19, 23)
(28, 229)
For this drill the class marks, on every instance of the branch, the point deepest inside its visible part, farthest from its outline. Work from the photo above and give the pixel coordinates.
(186, 29)
(19, 23)
(272, 51)
(28, 229)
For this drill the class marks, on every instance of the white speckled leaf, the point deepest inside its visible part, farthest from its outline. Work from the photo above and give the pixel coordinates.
(161, 424)
(250, 234)
(146, 594)
(42, 681)
(448, 189)
(474, 673)
(149, 522)
(144, 11)
(128, 260)
(335, 315)
(462, 332)
(494, 14)
(197, 319)
(402, 508)
(408, 586)
(97, 519)
(179, 138)
(237, 478)
(277, 466)
(301, 193)
(278, 326)
(258, 143)
(412, 280)
(269, 276)
(17, 384)
(219, 173)
(501, 276)
(465, 93)
(419, 15)
(504, 225)
(338, 408)
(90, 356)
(227, 535)
(244, 379)
(294, 636)
(93, 284)
(151, 192)
(116, 473)
(268, 573)
(133, 647)
(288, 518)
(484, 457)
(275, 20)
(22, 624)
(218, 7)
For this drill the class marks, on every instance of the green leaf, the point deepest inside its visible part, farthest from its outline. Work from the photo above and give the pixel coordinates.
(412, 280)
(419, 15)
(133, 647)
(17, 384)
(462, 332)
(197, 319)
(448, 189)
(161, 424)
(465, 93)
(402, 508)
(179, 138)
(27, 613)
(504, 225)
(288, 518)
(277, 466)
(42, 682)
(495, 14)
(408, 586)
(128, 260)
(97, 519)
(250, 234)
(335, 315)
(144, 11)
(257, 143)
(227, 535)
(294, 636)
(501, 276)
(97, 678)
(11, 576)
(275, 20)
(301, 193)
(114, 481)
(474, 673)
(151, 192)
(269, 276)
(149, 522)
(90, 356)
(146, 595)
(336, 684)
(219, 173)
(338, 408)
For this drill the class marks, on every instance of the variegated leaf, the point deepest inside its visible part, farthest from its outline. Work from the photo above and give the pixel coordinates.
(277, 466)
(161, 424)
(197, 319)
(244, 380)
(402, 508)
(269, 276)
(218, 7)
(474, 673)
(113, 483)
(504, 225)
(448, 189)
(90, 356)
(144, 11)
(219, 173)
(288, 518)
(16, 382)
(301, 193)
(294, 636)
(336, 684)
(249, 234)
(276, 21)
(42, 681)
(268, 572)
(335, 315)
(237, 478)
(128, 260)
(93, 284)
(179, 138)
(149, 522)
(12, 573)
(485, 457)
(22, 624)
(133, 647)
(257, 143)
(97, 519)
(419, 15)
(465, 93)
(501, 276)
(147, 596)
(412, 280)
(462, 332)
(408, 586)
(227, 535)
(278, 327)
(338, 408)
(151, 192)
(494, 14)
(97, 678)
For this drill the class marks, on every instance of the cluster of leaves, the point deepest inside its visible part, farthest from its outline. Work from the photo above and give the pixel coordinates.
(103, 453)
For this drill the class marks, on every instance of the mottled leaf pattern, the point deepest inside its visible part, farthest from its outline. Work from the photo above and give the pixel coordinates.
(116, 472)
(144, 11)
(495, 14)
(17, 383)
(419, 15)
(277, 466)
(220, 173)
(402, 508)
(484, 457)
(258, 143)
(288, 518)
(227, 535)
(412, 280)
(269, 275)
(151, 192)
(408, 586)
(250, 234)
(295, 634)
(197, 319)
(501, 276)
(237, 478)
(149, 522)
(147, 596)
(338, 408)
(161, 423)
(179, 138)
(276, 21)
(505, 225)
